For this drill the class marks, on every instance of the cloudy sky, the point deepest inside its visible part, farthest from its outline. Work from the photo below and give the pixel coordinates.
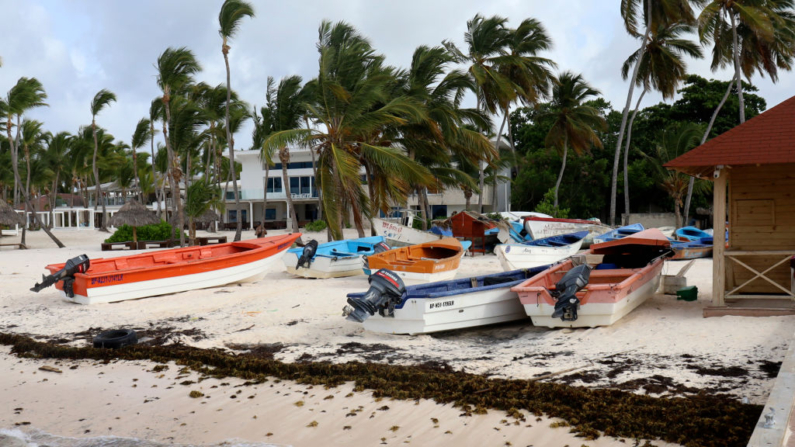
(77, 47)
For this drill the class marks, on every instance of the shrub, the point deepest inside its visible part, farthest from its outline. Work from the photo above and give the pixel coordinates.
(159, 232)
(495, 216)
(417, 223)
(546, 206)
(317, 225)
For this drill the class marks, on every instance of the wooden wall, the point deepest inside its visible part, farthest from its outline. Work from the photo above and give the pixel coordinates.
(761, 217)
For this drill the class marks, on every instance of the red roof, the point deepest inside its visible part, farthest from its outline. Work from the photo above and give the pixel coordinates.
(768, 138)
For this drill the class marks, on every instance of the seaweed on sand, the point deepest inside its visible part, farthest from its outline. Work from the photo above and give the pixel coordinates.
(698, 420)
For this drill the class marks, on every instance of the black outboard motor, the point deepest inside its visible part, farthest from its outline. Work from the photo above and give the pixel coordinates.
(73, 266)
(565, 292)
(306, 256)
(377, 248)
(386, 289)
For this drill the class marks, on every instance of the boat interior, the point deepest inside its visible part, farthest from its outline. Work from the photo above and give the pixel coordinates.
(168, 257)
(412, 254)
(559, 241)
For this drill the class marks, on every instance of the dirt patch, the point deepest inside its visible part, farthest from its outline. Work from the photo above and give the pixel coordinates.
(770, 368)
(719, 371)
(261, 351)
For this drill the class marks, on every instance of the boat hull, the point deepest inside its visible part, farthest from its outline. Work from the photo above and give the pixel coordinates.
(397, 235)
(601, 304)
(432, 261)
(540, 228)
(411, 278)
(514, 257)
(685, 252)
(421, 316)
(323, 267)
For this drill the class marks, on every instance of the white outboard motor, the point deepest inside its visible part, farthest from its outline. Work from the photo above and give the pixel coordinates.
(565, 292)
(306, 256)
(386, 289)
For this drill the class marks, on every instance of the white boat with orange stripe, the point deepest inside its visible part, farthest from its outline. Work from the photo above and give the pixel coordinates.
(164, 272)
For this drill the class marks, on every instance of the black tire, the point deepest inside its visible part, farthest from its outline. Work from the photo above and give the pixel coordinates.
(115, 339)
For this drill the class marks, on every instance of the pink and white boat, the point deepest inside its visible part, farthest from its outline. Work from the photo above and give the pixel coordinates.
(544, 227)
(588, 297)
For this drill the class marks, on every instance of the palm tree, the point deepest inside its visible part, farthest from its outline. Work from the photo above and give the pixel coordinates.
(142, 133)
(232, 12)
(57, 157)
(574, 121)
(675, 141)
(31, 139)
(266, 154)
(155, 113)
(353, 99)
(175, 67)
(102, 99)
(655, 13)
(486, 40)
(283, 110)
(202, 196)
(663, 69)
(26, 94)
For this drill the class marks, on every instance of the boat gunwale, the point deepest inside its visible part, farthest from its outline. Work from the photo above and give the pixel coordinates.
(554, 219)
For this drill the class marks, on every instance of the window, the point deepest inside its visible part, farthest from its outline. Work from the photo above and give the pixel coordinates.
(305, 185)
(295, 165)
(230, 195)
(275, 184)
(439, 211)
(294, 185)
(270, 214)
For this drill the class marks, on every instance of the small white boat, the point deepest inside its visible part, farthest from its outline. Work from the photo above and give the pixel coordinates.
(539, 252)
(391, 308)
(333, 259)
(542, 227)
(399, 235)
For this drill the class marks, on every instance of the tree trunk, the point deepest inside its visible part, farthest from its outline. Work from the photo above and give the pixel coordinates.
(677, 213)
(314, 180)
(562, 168)
(52, 198)
(467, 198)
(616, 158)
(231, 142)
(704, 140)
(626, 152)
(104, 226)
(173, 163)
(18, 182)
(284, 157)
(423, 208)
(515, 167)
(373, 206)
(738, 77)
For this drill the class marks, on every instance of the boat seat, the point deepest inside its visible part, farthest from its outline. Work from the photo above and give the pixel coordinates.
(205, 253)
(121, 264)
(165, 258)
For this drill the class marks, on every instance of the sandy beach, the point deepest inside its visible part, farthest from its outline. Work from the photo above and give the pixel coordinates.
(662, 348)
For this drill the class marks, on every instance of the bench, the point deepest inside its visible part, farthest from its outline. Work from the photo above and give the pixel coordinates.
(112, 246)
(211, 240)
(143, 245)
(19, 245)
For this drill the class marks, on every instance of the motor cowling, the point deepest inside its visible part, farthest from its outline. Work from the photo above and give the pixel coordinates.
(386, 290)
(566, 292)
(305, 260)
(377, 248)
(79, 264)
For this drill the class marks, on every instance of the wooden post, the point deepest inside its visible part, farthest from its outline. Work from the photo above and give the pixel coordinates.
(719, 230)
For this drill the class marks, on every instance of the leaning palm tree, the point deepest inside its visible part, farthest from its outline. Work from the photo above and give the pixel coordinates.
(142, 133)
(654, 13)
(175, 67)
(57, 158)
(232, 12)
(574, 122)
(102, 99)
(26, 94)
(486, 40)
(662, 69)
(155, 113)
(352, 99)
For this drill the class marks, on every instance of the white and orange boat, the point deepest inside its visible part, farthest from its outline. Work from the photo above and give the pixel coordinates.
(423, 263)
(85, 281)
(566, 295)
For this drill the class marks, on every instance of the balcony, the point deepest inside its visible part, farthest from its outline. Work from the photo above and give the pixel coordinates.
(258, 194)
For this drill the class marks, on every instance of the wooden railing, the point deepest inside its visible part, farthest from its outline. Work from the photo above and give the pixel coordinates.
(785, 256)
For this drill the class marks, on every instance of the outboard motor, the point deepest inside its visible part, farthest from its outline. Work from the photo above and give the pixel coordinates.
(386, 289)
(565, 292)
(306, 256)
(377, 248)
(73, 266)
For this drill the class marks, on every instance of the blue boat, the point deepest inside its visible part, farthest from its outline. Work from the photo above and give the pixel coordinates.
(332, 259)
(619, 233)
(444, 232)
(691, 234)
(701, 248)
(558, 241)
(445, 305)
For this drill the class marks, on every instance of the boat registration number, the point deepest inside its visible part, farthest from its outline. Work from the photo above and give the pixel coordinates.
(441, 304)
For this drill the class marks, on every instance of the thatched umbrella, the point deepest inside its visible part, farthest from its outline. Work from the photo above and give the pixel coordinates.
(135, 215)
(8, 216)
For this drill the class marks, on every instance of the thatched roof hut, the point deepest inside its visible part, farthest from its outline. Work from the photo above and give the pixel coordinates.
(135, 215)
(8, 216)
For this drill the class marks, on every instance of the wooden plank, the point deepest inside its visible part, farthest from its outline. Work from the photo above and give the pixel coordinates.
(759, 252)
(759, 275)
(718, 261)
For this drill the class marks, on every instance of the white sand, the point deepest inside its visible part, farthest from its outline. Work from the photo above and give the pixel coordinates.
(305, 316)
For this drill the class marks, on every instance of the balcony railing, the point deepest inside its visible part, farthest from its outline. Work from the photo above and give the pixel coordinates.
(258, 194)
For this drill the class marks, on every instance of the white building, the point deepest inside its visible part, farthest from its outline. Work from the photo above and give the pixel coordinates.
(252, 185)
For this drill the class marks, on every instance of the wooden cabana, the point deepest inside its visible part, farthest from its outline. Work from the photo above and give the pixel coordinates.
(753, 170)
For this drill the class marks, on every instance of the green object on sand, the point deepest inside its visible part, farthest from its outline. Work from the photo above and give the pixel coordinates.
(689, 293)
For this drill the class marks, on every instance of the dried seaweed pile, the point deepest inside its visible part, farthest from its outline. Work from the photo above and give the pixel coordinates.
(699, 420)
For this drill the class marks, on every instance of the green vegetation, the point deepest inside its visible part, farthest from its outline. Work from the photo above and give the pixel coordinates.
(160, 232)
(317, 225)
